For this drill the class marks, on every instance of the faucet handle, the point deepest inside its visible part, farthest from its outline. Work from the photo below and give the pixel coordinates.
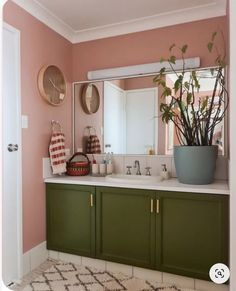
(148, 173)
(128, 170)
(164, 168)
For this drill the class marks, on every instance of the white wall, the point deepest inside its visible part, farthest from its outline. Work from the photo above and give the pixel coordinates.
(232, 14)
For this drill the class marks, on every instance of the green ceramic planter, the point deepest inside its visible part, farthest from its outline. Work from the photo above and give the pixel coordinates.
(195, 164)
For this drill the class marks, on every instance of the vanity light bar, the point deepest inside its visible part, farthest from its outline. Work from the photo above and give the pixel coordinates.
(144, 69)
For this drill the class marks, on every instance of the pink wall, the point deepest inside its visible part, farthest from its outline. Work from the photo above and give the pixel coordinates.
(119, 83)
(39, 45)
(145, 47)
(139, 83)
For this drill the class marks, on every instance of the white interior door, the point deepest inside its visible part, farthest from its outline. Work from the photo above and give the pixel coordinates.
(114, 118)
(141, 123)
(12, 202)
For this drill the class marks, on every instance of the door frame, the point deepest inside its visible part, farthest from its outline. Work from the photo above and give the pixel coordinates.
(107, 83)
(19, 222)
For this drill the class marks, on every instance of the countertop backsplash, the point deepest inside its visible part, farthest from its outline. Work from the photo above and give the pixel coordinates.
(120, 162)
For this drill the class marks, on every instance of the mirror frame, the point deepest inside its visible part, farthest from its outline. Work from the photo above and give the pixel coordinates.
(226, 119)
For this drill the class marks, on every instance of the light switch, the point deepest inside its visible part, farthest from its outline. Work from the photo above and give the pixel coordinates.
(24, 121)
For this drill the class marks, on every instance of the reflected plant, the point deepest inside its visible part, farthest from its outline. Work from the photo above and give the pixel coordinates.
(195, 118)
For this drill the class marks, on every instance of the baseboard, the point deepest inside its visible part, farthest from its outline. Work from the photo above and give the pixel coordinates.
(34, 257)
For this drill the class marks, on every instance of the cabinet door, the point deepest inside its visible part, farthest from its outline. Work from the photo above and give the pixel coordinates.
(191, 233)
(70, 219)
(125, 226)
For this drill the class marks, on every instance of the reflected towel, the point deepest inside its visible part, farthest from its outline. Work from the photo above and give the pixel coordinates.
(57, 153)
(93, 145)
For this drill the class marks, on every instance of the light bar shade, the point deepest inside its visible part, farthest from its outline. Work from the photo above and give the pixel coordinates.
(143, 69)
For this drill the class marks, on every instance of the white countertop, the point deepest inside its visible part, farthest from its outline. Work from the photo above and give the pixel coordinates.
(218, 187)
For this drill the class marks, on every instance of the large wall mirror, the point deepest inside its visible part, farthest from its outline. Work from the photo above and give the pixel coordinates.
(128, 118)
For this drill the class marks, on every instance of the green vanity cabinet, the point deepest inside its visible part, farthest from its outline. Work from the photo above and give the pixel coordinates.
(191, 233)
(71, 219)
(179, 233)
(125, 226)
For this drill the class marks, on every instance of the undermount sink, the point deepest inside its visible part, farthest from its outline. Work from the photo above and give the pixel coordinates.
(133, 179)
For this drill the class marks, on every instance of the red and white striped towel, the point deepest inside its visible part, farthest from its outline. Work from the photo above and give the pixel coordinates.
(57, 153)
(93, 145)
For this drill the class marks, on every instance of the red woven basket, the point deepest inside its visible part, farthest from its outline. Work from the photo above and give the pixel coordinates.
(78, 168)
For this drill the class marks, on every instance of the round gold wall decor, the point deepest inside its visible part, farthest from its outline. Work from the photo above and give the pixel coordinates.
(52, 84)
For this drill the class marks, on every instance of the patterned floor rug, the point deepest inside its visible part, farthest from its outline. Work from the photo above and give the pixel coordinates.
(61, 276)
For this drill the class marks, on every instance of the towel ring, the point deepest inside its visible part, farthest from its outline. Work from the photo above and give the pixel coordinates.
(90, 128)
(56, 126)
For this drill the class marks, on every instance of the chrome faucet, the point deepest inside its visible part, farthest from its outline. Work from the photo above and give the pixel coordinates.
(137, 165)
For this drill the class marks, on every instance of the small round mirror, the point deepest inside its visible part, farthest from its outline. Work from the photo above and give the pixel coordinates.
(90, 99)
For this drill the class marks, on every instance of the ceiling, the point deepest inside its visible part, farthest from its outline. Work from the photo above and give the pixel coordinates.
(113, 17)
(84, 14)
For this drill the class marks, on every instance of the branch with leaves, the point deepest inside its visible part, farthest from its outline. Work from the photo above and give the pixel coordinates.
(195, 125)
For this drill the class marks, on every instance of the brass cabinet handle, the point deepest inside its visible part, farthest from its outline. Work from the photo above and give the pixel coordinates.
(157, 206)
(91, 200)
(151, 205)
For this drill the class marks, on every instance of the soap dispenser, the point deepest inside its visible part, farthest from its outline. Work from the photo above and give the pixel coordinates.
(109, 164)
(164, 173)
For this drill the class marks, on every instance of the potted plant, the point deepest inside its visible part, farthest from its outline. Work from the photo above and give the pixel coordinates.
(195, 116)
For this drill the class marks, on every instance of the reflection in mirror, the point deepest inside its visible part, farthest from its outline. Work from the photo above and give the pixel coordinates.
(82, 120)
(127, 122)
(129, 117)
(90, 99)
